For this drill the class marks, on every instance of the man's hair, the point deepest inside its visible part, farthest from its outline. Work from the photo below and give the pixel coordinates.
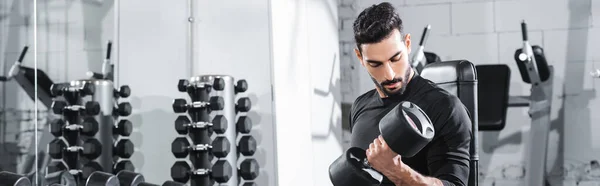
(375, 23)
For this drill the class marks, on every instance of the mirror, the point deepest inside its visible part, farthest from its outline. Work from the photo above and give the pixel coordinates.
(18, 116)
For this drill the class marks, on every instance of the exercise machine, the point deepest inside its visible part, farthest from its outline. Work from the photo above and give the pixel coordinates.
(495, 81)
(421, 58)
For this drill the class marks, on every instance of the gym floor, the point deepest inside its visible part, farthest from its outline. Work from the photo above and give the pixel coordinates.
(302, 74)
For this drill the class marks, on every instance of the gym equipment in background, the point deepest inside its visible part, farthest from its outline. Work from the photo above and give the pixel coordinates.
(421, 58)
(85, 137)
(494, 93)
(12, 179)
(418, 60)
(213, 158)
(25, 77)
(406, 121)
(459, 77)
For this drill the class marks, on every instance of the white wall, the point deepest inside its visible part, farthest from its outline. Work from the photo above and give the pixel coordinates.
(306, 90)
(488, 32)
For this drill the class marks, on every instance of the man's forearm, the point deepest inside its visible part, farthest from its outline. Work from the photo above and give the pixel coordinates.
(402, 175)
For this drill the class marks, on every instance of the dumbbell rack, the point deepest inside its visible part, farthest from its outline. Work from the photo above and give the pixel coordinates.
(95, 126)
(214, 163)
(115, 156)
(68, 149)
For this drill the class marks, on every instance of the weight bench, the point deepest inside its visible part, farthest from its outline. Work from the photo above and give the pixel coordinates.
(459, 77)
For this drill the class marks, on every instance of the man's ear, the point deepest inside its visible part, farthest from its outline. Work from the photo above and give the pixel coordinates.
(359, 56)
(407, 42)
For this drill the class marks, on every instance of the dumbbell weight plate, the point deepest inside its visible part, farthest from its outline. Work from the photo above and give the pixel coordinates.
(92, 148)
(172, 183)
(222, 171)
(92, 108)
(124, 109)
(124, 128)
(243, 125)
(180, 171)
(410, 122)
(124, 165)
(124, 148)
(249, 169)
(101, 179)
(56, 127)
(129, 178)
(347, 170)
(247, 145)
(13, 179)
(90, 168)
(90, 126)
(249, 184)
(63, 178)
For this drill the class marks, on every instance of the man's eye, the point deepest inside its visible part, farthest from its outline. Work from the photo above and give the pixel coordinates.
(396, 60)
(374, 64)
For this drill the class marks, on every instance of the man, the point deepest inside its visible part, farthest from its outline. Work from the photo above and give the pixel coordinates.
(384, 50)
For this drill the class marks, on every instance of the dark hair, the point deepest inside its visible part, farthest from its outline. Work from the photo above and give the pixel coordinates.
(375, 23)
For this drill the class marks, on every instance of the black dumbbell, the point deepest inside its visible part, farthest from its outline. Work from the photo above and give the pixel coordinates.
(123, 109)
(124, 148)
(243, 105)
(56, 166)
(56, 127)
(218, 84)
(89, 168)
(90, 107)
(247, 145)
(221, 171)
(13, 179)
(88, 127)
(249, 169)
(123, 92)
(130, 178)
(215, 103)
(243, 125)
(124, 165)
(249, 184)
(241, 86)
(91, 148)
(60, 178)
(183, 123)
(180, 147)
(99, 178)
(123, 128)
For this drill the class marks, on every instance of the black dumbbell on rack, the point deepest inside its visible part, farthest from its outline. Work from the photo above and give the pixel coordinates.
(88, 127)
(181, 147)
(218, 124)
(90, 108)
(181, 105)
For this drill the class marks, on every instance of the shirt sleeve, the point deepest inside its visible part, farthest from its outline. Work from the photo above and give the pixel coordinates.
(448, 158)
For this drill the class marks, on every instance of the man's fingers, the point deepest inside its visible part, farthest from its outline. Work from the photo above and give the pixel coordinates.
(371, 146)
(382, 141)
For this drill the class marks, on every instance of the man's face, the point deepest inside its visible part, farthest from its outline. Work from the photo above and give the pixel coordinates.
(387, 63)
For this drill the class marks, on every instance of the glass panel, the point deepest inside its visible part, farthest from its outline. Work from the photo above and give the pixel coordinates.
(17, 116)
(72, 43)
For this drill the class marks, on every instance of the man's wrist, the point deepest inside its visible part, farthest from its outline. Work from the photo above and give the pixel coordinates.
(402, 174)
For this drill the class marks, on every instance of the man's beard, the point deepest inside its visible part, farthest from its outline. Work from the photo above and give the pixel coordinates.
(403, 81)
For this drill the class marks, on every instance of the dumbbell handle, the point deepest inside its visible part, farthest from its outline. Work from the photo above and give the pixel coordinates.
(201, 172)
(200, 124)
(73, 148)
(200, 147)
(73, 127)
(197, 104)
(75, 107)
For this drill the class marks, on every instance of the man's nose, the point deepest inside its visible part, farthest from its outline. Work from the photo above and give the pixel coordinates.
(389, 73)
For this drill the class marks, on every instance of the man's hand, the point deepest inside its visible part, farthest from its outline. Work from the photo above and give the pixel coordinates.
(381, 157)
